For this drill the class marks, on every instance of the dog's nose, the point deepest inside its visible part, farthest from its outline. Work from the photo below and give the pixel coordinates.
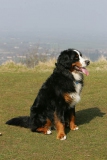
(87, 62)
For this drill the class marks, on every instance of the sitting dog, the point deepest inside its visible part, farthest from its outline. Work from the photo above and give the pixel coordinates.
(56, 100)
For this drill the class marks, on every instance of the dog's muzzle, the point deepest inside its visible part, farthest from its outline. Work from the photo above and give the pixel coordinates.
(87, 62)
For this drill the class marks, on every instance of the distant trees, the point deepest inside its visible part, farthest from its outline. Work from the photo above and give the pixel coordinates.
(33, 58)
(39, 54)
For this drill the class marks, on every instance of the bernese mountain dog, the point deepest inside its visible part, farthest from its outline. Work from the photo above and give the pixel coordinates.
(56, 100)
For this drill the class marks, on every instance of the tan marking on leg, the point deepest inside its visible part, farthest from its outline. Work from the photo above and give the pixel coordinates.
(48, 124)
(42, 129)
(72, 123)
(60, 128)
(67, 98)
(45, 128)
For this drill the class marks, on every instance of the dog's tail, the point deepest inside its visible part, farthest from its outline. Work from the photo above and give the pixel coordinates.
(23, 121)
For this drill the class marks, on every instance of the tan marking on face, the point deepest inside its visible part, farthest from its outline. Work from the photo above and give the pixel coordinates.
(78, 64)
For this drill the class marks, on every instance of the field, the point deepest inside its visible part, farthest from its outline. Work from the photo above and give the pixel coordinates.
(19, 86)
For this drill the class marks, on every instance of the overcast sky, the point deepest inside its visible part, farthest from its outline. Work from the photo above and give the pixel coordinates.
(54, 16)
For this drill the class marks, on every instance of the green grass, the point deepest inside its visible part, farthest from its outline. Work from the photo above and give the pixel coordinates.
(18, 89)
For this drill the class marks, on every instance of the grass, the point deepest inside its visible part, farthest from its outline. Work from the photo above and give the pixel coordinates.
(19, 86)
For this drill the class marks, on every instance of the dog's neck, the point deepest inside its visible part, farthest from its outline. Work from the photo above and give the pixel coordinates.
(77, 76)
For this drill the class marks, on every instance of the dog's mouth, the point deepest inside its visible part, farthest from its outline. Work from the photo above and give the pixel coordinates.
(82, 69)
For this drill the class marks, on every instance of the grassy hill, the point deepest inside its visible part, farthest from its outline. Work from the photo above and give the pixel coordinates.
(19, 86)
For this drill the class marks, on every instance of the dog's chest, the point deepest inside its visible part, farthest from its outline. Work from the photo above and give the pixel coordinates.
(78, 87)
(75, 96)
(77, 82)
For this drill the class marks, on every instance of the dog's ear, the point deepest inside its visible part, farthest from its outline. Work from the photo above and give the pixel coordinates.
(64, 60)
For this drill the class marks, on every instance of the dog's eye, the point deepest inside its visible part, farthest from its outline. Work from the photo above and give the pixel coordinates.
(76, 58)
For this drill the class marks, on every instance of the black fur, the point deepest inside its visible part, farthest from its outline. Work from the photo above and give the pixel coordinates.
(50, 100)
(22, 121)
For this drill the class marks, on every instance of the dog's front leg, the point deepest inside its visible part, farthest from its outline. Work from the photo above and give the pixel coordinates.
(72, 124)
(60, 126)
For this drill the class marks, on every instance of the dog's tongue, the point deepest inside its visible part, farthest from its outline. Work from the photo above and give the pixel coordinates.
(85, 71)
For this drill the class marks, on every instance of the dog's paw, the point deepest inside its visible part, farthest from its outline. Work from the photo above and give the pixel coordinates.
(75, 128)
(49, 131)
(61, 137)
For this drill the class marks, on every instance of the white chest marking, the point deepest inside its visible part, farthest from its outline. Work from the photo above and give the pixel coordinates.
(76, 95)
(76, 76)
(78, 87)
(76, 98)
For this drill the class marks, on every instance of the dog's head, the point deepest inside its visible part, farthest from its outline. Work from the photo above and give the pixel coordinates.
(72, 60)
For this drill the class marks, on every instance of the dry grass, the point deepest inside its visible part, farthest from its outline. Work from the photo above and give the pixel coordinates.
(102, 59)
(11, 66)
(46, 66)
(100, 65)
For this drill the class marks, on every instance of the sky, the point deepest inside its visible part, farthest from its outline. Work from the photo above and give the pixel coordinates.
(55, 17)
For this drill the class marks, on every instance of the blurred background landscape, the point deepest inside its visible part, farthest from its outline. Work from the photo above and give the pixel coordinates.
(42, 29)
